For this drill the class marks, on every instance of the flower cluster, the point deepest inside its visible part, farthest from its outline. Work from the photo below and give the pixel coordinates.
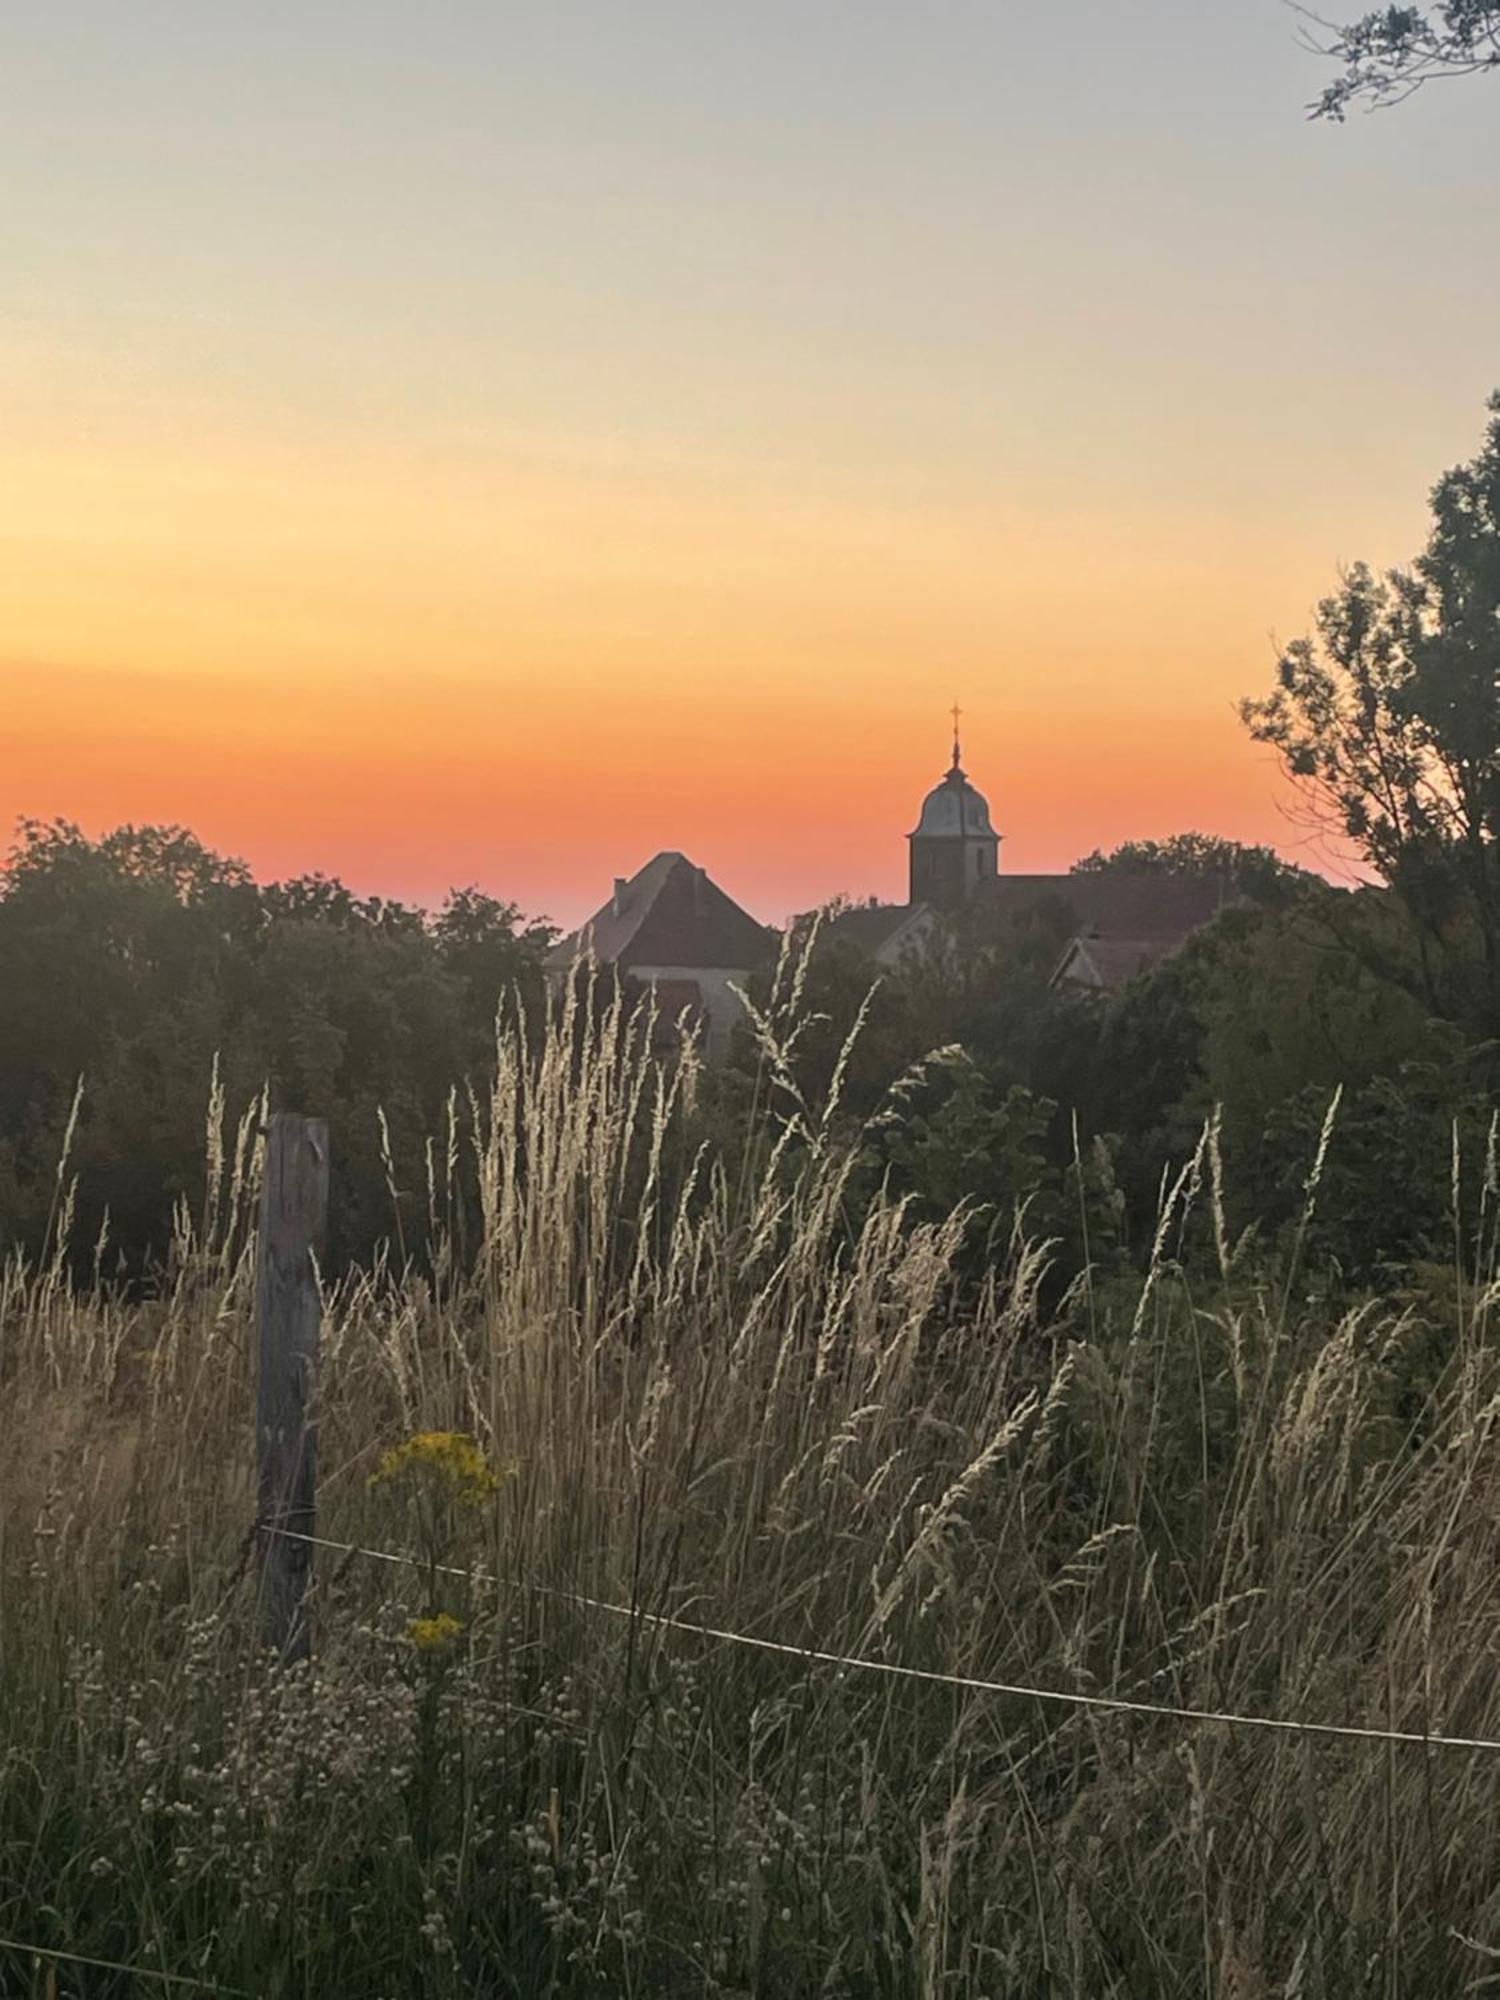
(438, 1634)
(451, 1462)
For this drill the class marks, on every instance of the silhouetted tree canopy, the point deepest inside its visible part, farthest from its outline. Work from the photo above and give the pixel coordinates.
(144, 963)
(141, 961)
(1389, 717)
(1253, 870)
(1387, 54)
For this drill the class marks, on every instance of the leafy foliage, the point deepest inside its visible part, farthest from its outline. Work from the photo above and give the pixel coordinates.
(143, 961)
(1252, 870)
(1389, 716)
(1387, 54)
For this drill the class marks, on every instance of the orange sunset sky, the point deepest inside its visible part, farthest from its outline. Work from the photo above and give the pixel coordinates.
(476, 443)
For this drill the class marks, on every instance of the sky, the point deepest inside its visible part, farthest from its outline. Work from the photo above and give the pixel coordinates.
(486, 443)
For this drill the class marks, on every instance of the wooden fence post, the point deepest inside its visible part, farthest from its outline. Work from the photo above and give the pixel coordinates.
(293, 1219)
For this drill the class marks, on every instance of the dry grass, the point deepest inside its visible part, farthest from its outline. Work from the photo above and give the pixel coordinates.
(728, 1393)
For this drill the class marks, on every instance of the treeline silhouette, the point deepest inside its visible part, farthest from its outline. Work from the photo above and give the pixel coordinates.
(139, 962)
(147, 966)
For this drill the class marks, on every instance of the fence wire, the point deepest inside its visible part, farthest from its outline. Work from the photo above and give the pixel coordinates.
(182, 1980)
(894, 1670)
(812, 1655)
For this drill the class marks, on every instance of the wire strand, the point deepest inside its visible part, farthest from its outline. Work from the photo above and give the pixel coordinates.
(892, 1669)
(185, 1979)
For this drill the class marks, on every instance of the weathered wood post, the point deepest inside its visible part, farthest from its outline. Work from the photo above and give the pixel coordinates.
(293, 1220)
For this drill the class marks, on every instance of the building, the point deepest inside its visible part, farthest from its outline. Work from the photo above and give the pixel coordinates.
(1105, 927)
(1111, 926)
(888, 933)
(672, 928)
(953, 851)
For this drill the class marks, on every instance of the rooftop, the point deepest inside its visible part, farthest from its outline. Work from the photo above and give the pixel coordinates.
(1134, 905)
(669, 914)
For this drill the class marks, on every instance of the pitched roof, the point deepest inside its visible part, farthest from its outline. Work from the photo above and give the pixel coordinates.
(1107, 963)
(1118, 904)
(669, 914)
(876, 925)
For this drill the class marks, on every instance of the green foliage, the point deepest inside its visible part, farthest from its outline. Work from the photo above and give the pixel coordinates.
(1403, 1178)
(139, 961)
(1264, 1017)
(1131, 1071)
(1294, 1000)
(147, 965)
(979, 1146)
(1251, 870)
(1389, 716)
(1082, 1108)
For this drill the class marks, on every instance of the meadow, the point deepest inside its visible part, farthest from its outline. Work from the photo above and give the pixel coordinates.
(633, 1387)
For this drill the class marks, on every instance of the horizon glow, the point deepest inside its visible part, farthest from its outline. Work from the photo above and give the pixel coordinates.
(488, 450)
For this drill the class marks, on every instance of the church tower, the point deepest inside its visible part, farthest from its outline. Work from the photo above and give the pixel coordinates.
(953, 848)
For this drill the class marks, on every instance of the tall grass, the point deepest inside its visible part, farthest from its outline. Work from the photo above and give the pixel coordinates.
(725, 1390)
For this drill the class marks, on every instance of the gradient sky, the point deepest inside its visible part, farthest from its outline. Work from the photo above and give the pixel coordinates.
(472, 442)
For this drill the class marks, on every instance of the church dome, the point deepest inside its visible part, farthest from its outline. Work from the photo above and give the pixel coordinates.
(954, 809)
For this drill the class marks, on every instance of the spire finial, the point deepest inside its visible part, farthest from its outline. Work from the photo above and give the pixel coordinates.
(956, 713)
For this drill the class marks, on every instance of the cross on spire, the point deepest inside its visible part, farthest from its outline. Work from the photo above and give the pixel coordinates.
(956, 713)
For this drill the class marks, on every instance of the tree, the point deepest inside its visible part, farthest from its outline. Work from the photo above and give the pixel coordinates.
(1388, 54)
(1254, 870)
(494, 951)
(142, 962)
(121, 961)
(1388, 717)
(977, 1142)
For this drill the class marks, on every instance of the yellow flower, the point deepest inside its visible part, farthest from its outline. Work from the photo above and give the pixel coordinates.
(435, 1635)
(450, 1460)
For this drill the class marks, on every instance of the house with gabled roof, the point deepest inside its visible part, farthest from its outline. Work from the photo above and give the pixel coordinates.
(672, 928)
(888, 934)
(1114, 924)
